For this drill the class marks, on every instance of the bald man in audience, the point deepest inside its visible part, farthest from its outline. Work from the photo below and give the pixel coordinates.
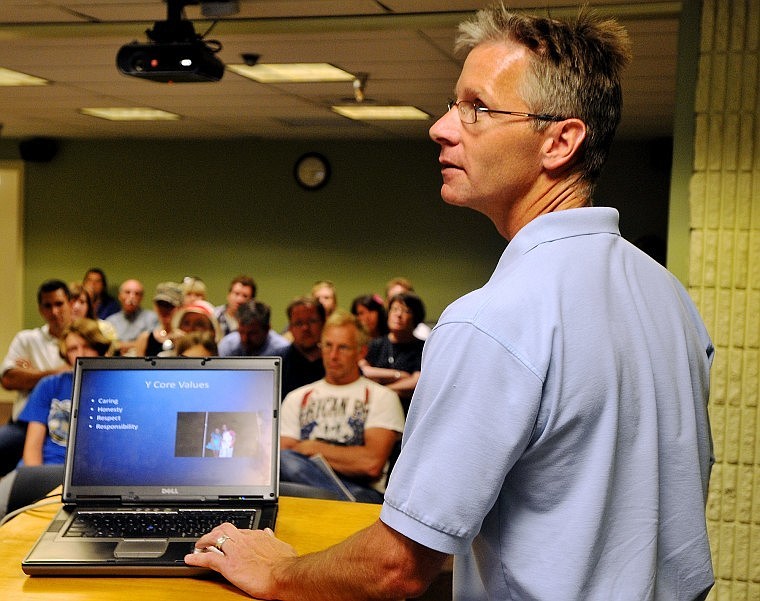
(132, 320)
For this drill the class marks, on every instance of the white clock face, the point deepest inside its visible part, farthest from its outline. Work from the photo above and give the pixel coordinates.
(312, 171)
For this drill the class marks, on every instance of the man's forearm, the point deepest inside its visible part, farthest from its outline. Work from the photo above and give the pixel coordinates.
(352, 460)
(375, 563)
(21, 378)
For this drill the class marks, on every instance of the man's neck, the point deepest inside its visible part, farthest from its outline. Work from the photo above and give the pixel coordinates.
(55, 331)
(131, 316)
(312, 354)
(558, 195)
(344, 381)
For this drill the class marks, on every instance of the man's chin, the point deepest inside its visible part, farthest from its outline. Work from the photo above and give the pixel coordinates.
(451, 198)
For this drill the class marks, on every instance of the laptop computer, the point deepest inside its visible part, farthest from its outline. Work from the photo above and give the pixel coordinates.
(162, 439)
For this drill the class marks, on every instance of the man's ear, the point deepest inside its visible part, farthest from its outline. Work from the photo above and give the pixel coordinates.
(562, 143)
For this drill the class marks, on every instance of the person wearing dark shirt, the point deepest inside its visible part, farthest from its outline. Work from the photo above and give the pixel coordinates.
(302, 363)
(395, 359)
(97, 286)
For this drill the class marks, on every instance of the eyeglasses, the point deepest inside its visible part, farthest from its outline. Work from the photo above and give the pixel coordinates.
(400, 310)
(468, 112)
(329, 347)
(308, 322)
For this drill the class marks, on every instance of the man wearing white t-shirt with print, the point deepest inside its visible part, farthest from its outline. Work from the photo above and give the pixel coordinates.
(32, 355)
(351, 421)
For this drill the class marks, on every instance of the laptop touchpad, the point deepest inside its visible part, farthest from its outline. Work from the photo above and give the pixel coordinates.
(136, 548)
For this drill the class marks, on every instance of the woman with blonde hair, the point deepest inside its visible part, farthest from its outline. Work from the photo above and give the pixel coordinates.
(48, 409)
(196, 344)
(49, 406)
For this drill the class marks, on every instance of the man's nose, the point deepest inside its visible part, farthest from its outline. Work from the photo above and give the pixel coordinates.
(445, 127)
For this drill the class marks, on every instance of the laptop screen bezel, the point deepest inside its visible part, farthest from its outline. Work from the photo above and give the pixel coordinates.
(239, 492)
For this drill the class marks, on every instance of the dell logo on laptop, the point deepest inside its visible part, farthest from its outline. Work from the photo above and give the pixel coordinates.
(169, 491)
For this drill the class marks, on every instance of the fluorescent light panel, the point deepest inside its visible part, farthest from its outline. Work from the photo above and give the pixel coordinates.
(8, 77)
(368, 112)
(292, 72)
(130, 114)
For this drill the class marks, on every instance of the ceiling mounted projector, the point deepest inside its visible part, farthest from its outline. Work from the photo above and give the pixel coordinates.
(175, 53)
(170, 61)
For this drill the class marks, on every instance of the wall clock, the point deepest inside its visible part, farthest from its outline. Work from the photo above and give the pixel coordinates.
(312, 171)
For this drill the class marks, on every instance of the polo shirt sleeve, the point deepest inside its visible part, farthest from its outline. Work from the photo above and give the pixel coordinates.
(471, 418)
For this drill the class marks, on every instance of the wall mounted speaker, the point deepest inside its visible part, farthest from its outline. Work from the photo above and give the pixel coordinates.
(38, 150)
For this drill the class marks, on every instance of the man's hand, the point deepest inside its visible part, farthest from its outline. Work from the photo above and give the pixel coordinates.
(246, 558)
(374, 563)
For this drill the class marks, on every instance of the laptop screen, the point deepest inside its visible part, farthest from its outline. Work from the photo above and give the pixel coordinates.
(163, 427)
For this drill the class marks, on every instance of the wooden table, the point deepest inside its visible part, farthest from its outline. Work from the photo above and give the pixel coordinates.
(307, 524)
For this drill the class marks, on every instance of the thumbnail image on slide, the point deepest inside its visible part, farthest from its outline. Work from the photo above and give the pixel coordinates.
(219, 434)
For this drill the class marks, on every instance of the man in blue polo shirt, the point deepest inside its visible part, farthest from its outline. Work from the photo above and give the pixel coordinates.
(558, 442)
(254, 336)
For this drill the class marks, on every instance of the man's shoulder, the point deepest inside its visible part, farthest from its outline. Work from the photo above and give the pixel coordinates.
(39, 336)
(376, 390)
(115, 317)
(278, 339)
(229, 343)
(31, 333)
(298, 394)
(147, 315)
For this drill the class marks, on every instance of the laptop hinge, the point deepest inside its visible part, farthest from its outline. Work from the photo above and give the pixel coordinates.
(167, 500)
(98, 500)
(241, 498)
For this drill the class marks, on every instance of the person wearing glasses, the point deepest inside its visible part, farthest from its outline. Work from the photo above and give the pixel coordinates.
(337, 433)
(558, 442)
(396, 358)
(302, 361)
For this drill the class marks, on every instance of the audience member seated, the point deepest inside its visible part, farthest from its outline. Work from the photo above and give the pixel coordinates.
(196, 344)
(82, 307)
(302, 362)
(197, 316)
(370, 311)
(242, 289)
(132, 320)
(401, 284)
(193, 289)
(32, 355)
(324, 292)
(355, 436)
(103, 303)
(48, 409)
(254, 336)
(166, 302)
(396, 359)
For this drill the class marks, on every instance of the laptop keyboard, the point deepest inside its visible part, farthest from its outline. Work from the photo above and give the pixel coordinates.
(156, 523)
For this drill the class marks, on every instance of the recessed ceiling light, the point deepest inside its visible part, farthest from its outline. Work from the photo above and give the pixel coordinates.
(291, 72)
(130, 114)
(368, 112)
(8, 77)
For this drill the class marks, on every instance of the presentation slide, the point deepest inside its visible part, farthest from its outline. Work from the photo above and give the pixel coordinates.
(174, 428)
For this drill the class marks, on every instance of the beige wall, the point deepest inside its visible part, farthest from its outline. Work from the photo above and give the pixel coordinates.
(724, 278)
(12, 253)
